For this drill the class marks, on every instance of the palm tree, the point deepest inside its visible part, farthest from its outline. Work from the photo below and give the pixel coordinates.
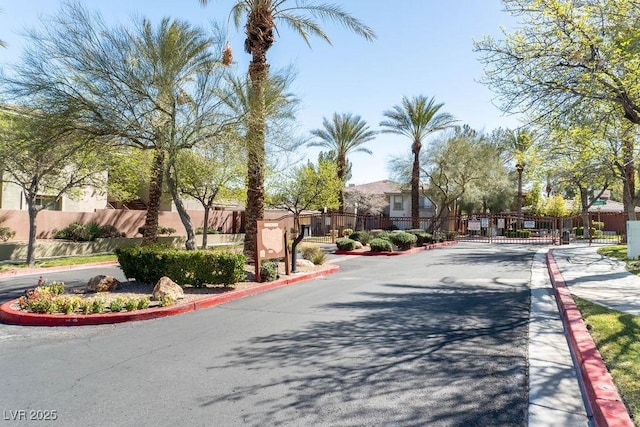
(343, 135)
(416, 118)
(261, 18)
(520, 143)
(172, 54)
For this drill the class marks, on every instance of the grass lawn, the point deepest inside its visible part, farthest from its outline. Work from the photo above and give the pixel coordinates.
(57, 262)
(617, 336)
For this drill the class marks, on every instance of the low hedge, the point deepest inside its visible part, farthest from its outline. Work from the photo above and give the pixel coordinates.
(361, 236)
(520, 234)
(403, 240)
(345, 244)
(380, 245)
(148, 263)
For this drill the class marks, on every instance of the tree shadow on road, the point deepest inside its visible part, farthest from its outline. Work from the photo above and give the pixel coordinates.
(406, 355)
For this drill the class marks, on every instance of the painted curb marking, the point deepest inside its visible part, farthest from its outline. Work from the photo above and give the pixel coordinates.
(603, 398)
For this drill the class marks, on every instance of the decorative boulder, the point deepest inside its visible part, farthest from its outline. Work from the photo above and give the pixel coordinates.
(166, 286)
(359, 245)
(102, 283)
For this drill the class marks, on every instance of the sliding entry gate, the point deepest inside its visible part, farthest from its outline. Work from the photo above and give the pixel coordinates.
(506, 228)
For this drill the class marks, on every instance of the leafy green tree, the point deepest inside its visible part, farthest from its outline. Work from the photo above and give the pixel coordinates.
(309, 187)
(416, 118)
(566, 55)
(343, 135)
(43, 154)
(261, 17)
(149, 88)
(212, 174)
(556, 206)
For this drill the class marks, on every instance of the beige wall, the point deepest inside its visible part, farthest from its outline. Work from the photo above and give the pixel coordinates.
(127, 221)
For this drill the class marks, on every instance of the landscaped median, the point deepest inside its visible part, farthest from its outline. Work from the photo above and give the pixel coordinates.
(366, 252)
(10, 312)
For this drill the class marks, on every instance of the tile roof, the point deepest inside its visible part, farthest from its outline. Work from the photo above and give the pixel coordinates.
(377, 187)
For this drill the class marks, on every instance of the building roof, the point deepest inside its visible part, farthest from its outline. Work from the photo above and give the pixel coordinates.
(378, 187)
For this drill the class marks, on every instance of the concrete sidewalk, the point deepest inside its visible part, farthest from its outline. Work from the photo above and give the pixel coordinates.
(598, 279)
(578, 270)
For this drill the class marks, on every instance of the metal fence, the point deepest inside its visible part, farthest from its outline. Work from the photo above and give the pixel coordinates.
(481, 228)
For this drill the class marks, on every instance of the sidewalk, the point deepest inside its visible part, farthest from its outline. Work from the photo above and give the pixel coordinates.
(579, 270)
(598, 279)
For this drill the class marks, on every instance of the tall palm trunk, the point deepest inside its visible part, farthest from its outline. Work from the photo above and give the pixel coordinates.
(342, 174)
(155, 193)
(259, 39)
(415, 185)
(520, 170)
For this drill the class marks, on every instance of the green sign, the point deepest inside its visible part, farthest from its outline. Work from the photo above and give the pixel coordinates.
(599, 202)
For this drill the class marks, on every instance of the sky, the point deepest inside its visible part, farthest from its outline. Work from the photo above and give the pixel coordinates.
(423, 47)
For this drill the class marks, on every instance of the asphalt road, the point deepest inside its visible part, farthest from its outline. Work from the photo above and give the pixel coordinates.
(438, 338)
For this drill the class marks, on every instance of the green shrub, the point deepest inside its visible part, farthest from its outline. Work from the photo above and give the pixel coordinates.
(167, 300)
(345, 244)
(98, 306)
(86, 306)
(131, 304)
(268, 271)
(403, 240)
(6, 233)
(54, 288)
(148, 263)
(308, 252)
(319, 258)
(68, 305)
(143, 303)
(383, 235)
(161, 230)
(520, 234)
(210, 230)
(117, 305)
(422, 237)
(78, 232)
(361, 236)
(380, 245)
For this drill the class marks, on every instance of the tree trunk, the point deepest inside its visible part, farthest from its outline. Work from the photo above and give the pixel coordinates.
(31, 246)
(415, 185)
(342, 172)
(155, 193)
(520, 169)
(190, 243)
(256, 156)
(205, 229)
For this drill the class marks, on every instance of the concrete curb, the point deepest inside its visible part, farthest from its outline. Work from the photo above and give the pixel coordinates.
(603, 398)
(17, 317)
(407, 252)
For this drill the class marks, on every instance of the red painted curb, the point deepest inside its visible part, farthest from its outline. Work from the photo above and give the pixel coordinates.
(18, 317)
(407, 252)
(603, 398)
(42, 270)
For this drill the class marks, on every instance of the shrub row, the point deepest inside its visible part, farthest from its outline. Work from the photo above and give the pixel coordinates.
(89, 232)
(148, 263)
(521, 234)
(49, 299)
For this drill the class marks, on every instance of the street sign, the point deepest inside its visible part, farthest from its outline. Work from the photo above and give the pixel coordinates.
(599, 202)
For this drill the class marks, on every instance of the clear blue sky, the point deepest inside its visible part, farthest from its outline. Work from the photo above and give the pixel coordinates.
(423, 47)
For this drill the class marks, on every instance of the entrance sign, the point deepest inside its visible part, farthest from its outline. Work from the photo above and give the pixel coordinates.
(529, 224)
(271, 243)
(474, 225)
(500, 223)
